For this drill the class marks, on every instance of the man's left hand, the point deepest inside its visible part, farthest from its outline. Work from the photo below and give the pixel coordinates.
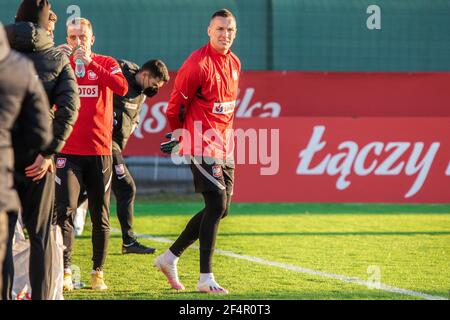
(171, 146)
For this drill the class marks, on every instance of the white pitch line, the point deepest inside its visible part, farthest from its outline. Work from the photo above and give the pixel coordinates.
(294, 268)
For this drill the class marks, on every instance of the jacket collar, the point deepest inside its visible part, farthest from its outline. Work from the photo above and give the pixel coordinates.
(215, 54)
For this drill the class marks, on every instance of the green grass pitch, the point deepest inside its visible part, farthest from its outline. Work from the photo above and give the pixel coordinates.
(408, 246)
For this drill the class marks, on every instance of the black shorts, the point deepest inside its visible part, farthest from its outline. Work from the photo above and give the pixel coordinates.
(212, 176)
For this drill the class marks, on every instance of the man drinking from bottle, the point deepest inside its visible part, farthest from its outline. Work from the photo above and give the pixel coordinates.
(86, 159)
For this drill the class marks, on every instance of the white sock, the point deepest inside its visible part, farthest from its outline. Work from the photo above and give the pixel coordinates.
(206, 276)
(170, 257)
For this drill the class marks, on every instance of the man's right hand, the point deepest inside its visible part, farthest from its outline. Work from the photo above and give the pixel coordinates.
(66, 49)
(170, 146)
(39, 168)
(81, 54)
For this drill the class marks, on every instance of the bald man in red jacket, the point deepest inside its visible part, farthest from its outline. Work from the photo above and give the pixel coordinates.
(202, 107)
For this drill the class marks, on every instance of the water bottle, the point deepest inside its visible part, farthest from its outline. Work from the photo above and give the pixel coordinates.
(79, 68)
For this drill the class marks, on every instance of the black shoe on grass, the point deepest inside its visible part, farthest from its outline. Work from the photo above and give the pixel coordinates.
(137, 248)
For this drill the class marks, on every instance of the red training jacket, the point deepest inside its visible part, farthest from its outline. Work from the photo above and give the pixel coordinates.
(92, 132)
(203, 101)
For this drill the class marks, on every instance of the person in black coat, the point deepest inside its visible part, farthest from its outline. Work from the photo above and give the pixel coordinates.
(23, 111)
(34, 170)
(54, 70)
(142, 83)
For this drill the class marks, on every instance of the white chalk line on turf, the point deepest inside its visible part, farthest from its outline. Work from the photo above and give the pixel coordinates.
(294, 268)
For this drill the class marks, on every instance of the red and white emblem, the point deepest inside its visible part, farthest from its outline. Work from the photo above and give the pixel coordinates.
(92, 75)
(217, 171)
(60, 163)
(120, 169)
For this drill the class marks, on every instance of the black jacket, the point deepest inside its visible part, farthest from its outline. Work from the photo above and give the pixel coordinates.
(56, 74)
(128, 107)
(23, 110)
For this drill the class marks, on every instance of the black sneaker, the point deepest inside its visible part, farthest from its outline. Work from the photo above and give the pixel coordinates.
(138, 248)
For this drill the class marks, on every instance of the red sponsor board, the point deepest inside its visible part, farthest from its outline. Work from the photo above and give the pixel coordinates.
(389, 160)
(374, 128)
(312, 94)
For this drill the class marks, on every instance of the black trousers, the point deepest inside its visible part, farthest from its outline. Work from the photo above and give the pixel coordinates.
(37, 200)
(124, 190)
(93, 173)
(3, 243)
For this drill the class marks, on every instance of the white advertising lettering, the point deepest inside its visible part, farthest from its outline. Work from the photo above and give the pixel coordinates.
(447, 172)
(88, 91)
(154, 122)
(247, 110)
(353, 159)
(153, 119)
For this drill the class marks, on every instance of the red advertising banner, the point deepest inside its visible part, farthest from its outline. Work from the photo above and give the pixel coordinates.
(389, 160)
(342, 137)
(266, 94)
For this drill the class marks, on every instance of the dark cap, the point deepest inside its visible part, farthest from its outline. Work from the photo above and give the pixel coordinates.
(35, 11)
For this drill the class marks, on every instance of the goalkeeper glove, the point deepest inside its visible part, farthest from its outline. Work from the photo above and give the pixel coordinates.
(170, 146)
